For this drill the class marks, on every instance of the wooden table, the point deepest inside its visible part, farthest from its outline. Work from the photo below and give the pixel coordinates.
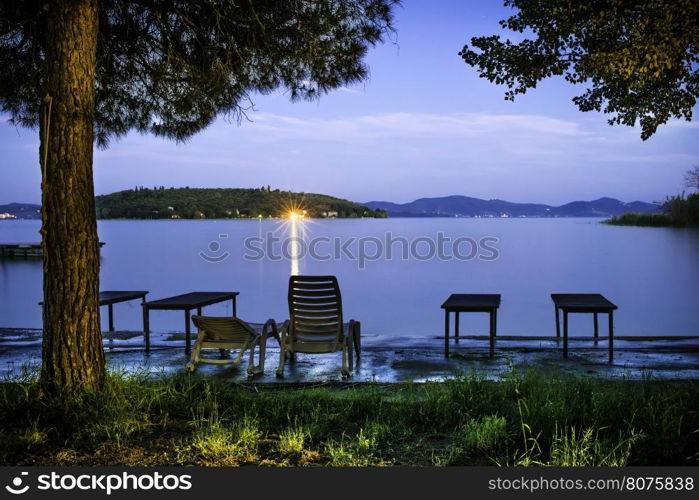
(594, 303)
(109, 298)
(469, 302)
(185, 302)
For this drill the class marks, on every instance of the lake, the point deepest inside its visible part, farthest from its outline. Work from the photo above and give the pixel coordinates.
(652, 274)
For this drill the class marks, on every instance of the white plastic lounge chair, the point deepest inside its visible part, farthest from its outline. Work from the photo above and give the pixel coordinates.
(230, 333)
(315, 324)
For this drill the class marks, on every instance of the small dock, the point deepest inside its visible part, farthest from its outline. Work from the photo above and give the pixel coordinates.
(23, 250)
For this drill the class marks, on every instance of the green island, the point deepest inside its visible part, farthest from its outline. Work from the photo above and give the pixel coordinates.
(678, 211)
(527, 418)
(224, 203)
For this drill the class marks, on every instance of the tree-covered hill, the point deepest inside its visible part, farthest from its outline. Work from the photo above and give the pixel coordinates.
(199, 203)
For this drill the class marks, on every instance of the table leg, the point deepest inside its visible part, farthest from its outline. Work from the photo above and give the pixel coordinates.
(492, 333)
(596, 327)
(446, 333)
(456, 325)
(146, 326)
(235, 307)
(187, 332)
(111, 317)
(558, 323)
(565, 333)
(495, 323)
(611, 336)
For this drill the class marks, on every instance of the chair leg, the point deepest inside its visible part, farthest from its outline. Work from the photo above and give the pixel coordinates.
(350, 354)
(280, 368)
(345, 372)
(270, 327)
(282, 354)
(239, 357)
(194, 358)
(261, 355)
(357, 339)
(251, 359)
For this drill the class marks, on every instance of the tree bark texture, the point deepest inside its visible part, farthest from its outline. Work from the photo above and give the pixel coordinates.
(72, 355)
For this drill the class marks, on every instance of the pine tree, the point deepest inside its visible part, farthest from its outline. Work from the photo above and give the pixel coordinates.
(89, 71)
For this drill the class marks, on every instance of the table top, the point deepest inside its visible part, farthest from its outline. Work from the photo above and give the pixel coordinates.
(190, 300)
(472, 302)
(112, 297)
(582, 302)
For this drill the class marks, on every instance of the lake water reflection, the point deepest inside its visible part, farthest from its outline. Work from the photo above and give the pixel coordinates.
(652, 274)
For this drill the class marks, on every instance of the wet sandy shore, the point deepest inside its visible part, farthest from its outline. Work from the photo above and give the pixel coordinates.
(400, 360)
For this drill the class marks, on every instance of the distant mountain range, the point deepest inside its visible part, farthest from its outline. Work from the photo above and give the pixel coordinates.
(447, 206)
(464, 206)
(20, 211)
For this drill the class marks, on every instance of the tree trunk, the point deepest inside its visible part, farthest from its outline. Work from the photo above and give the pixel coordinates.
(72, 356)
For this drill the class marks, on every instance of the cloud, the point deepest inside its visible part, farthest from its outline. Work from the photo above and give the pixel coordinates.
(422, 140)
(388, 140)
(349, 90)
(405, 155)
(412, 125)
(676, 123)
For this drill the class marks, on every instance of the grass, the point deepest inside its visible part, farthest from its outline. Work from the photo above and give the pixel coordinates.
(220, 444)
(528, 418)
(292, 441)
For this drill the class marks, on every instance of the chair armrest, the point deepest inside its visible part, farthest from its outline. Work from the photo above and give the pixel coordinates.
(270, 326)
(286, 326)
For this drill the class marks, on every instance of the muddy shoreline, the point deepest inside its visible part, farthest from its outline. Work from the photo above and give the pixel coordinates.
(403, 359)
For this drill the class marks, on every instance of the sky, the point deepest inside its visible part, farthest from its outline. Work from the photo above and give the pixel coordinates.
(422, 125)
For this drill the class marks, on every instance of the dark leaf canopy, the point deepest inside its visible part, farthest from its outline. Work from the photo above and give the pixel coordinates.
(638, 58)
(170, 67)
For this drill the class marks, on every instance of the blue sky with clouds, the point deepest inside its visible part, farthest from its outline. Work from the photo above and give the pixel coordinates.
(422, 125)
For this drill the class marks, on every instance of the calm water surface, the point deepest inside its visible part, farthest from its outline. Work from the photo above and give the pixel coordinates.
(652, 274)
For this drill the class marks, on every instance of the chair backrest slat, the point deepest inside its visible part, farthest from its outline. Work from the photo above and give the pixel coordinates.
(308, 301)
(317, 294)
(319, 308)
(223, 328)
(315, 307)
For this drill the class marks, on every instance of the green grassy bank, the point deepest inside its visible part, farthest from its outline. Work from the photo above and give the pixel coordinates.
(678, 211)
(526, 419)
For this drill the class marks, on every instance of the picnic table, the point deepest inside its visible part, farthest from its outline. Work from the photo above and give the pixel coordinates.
(470, 302)
(185, 302)
(110, 297)
(593, 303)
